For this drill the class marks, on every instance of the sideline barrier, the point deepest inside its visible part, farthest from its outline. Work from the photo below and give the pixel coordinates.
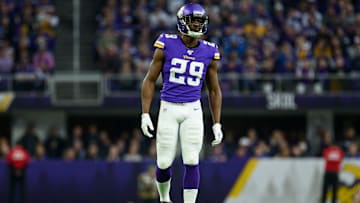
(256, 181)
(112, 182)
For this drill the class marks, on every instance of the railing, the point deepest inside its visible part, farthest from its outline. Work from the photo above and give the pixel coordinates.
(25, 83)
(91, 85)
(257, 83)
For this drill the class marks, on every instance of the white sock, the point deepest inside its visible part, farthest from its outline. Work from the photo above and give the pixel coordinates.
(190, 195)
(164, 190)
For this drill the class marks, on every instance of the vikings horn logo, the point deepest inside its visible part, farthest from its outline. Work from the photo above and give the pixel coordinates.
(349, 180)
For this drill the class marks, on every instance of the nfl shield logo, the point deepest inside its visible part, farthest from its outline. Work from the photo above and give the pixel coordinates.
(190, 52)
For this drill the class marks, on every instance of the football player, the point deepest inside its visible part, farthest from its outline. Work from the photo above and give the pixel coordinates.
(184, 62)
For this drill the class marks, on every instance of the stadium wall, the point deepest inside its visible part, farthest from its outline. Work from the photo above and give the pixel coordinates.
(253, 181)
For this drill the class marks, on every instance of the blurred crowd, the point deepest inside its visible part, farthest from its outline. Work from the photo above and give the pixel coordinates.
(27, 43)
(88, 143)
(92, 143)
(304, 41)
(283, 144)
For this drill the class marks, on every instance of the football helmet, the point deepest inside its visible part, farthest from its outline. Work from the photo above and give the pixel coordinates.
(192, 13)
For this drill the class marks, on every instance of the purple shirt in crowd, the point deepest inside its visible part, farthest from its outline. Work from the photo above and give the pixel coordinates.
(6, 64)
(44, 59)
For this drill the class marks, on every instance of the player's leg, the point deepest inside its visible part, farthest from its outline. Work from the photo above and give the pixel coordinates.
(334, 182)
(325, 187)
(166, 142)
(191, 138)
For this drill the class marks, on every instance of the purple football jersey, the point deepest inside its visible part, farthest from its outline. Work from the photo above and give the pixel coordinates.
(184, 68)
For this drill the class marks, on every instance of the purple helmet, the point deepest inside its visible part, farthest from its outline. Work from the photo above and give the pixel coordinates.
(187, 14)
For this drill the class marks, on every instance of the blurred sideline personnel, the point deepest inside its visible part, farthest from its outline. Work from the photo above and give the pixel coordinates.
(184, 61)
(333, 156)
(147, 186)
(17, 159)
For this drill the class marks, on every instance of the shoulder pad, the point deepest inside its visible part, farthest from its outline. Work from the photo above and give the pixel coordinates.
(209, 43)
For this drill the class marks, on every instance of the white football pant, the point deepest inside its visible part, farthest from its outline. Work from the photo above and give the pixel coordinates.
(184, 120)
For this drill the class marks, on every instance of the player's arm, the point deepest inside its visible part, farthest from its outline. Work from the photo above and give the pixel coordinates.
(148, 85)
(214, 91)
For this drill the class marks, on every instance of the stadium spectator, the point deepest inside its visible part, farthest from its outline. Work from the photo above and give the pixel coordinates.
(284, 150)
(92, 151)
(250, 70)
(40, 152)
(79, 148)
(282, 37)
(76, 142)
(69, 154)
(92, 135)
(230, 144)
(260, 150)
(6, 59)
(217, 154)
(326, 140)
(23, 23)
(26, 77)
(353, 151)
(46, 16)
(127, 81)
(276, 140)
(242, 151)
(349, 137)
(133, 154)
(111, 63)
(77, 135)
(54, 144)
(355, 62)
(4, 147)
(29, 139)
(44, 59)
(104, 144)
(144, 143)
(106, 46)
(113, 153)
(252, 136)
(121, 144)
(297, 152)
(151, 154)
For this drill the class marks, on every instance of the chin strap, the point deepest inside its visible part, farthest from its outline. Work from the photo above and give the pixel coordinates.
(192, 33)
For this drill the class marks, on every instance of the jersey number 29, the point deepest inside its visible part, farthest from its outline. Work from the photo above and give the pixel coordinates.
(179, 68)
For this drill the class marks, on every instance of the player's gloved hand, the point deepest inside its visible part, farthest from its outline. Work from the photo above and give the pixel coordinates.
(146, 124)
(217, 134)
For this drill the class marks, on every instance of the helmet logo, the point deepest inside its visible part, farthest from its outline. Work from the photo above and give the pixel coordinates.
(199, 13)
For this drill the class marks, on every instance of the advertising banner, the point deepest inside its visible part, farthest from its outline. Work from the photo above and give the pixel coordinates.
(293, 180)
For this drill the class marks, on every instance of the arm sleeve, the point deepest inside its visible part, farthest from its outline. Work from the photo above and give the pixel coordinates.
(160, 42)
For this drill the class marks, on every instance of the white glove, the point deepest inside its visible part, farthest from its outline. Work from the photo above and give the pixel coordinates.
(217, 134)
(146, 124)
